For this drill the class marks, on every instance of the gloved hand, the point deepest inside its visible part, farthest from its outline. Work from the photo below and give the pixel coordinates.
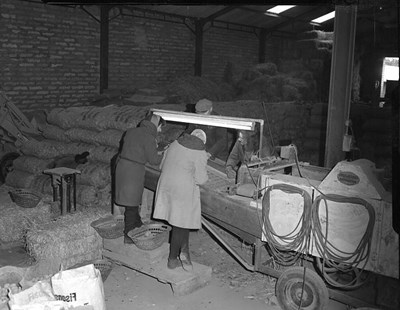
(230, 172)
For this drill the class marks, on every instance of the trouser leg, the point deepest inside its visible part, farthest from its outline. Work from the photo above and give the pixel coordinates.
(132, 218)
(179, 237)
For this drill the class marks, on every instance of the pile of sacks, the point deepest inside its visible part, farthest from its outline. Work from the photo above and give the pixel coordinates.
(74, 130)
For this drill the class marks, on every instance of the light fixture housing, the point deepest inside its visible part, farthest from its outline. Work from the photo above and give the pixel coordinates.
(212, 120)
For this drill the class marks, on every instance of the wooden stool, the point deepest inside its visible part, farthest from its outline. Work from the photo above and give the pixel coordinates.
(64, 186)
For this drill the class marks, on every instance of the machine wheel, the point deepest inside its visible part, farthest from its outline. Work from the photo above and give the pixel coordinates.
(6, 163)
(290, 292)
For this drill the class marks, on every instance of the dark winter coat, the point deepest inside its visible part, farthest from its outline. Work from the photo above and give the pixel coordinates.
(241, 154)
(138, 148)
(183, 169)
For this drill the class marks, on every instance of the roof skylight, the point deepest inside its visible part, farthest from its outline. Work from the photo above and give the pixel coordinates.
(279, 9)
(323, 18)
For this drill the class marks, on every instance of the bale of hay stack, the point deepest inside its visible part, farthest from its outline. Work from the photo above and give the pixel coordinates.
(43, 149)
(103, 154)
(14, 219)
(97, 174)
(82, 135)
(97, 118)
(69, 239)
(86, 195)
(20, 179)
(32, 164)
(56, 133)
(42, 184)
(67, 118)
(109, 137)
(50, 149)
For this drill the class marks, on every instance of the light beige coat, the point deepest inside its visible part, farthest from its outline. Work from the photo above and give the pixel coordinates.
(183, 169)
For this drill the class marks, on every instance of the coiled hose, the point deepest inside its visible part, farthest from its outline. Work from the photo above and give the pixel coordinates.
(332, 258)
(288, 248)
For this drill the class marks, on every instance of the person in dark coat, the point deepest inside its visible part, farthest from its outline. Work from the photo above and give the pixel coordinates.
(139, 147)
(217, 137)
(177, 199)
(246, 149)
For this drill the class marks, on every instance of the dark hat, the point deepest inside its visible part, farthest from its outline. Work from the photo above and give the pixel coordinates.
(203, 105)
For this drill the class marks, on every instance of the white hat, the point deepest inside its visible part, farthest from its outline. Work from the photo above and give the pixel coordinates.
(200, 134)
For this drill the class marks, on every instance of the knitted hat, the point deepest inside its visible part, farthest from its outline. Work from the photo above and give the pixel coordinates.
(203, 105)
(200, 134)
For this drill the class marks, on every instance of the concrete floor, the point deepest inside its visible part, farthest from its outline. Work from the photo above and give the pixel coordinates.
(126, 289)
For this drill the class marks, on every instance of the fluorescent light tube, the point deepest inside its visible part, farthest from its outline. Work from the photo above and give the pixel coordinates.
(209, 120)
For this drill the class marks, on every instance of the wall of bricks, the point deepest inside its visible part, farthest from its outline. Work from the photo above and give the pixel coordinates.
(48, 55)
(223, 46)
(147, 52)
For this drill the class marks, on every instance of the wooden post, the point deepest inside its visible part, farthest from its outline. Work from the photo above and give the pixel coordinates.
(340, 83)
(199, 48)
(104, 27)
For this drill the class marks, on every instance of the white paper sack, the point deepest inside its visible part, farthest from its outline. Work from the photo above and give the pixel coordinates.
(80, 286)
(40, 292)
(45, 305)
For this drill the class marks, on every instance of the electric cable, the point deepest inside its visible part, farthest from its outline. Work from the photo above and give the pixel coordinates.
(333, 258)
(289, 247)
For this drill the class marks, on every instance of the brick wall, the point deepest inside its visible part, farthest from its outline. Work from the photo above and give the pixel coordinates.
(222, 46)
(147, 52)
(49, 55)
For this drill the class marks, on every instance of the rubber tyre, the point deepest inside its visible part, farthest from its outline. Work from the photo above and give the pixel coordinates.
(289, 289)
(6, 162)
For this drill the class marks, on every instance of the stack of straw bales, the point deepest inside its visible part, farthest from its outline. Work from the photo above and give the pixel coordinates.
(74, 130)
(68, 239)
(14, 219)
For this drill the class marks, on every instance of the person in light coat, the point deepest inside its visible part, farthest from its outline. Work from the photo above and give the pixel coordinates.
(177, 200)
(139, 147)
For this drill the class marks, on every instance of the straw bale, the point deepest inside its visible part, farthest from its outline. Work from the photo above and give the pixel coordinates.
(67, 118)
(53, 132)
(68, 238)
(81, 135)
(43, 149)
(105, 198)
(14, 219)
(86, 195)
(190, 89)
(126, 117)
(290, 93)
(20, 179)
(268, 68)
(94, 173)
(109, 137)
(32, 164)
(47, 149)
(103, 154)
(42, 184)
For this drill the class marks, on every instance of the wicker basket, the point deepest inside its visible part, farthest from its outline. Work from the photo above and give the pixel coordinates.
(109, 227)
(25, 198)
(150, 236)
(103, 265)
